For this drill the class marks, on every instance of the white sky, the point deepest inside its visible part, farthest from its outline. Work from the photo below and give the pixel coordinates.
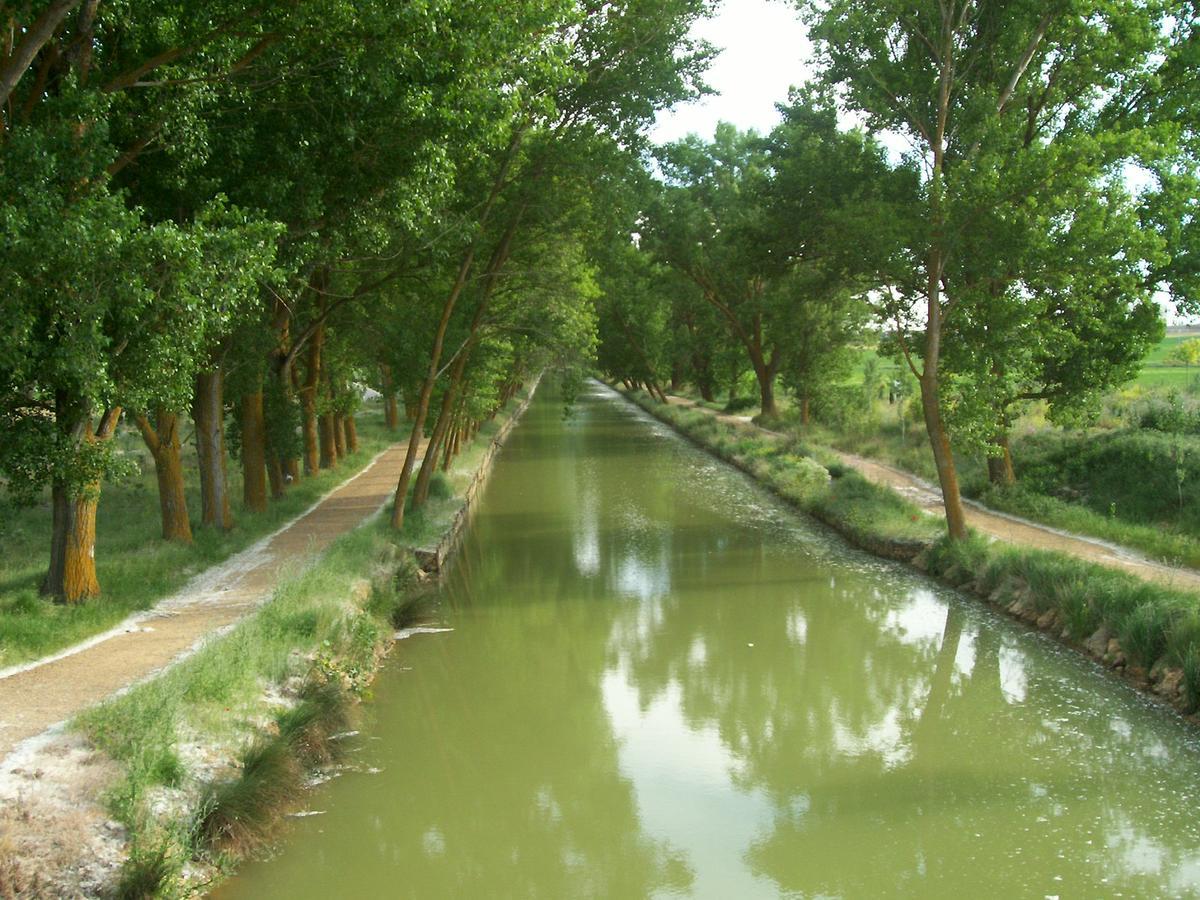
(765, 53)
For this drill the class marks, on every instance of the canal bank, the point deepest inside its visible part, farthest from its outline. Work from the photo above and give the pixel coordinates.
(662, 682)
(163, 788)
(1146, 633)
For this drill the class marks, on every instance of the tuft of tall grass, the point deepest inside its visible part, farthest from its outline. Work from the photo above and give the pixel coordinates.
(239, 816)
(146, 874)
(1151, 621)
(310, 726)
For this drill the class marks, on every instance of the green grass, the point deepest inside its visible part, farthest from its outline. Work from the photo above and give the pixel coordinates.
(801, 472)
(1156, 542)
(317, 627)
(135, 566)
(1155, 625)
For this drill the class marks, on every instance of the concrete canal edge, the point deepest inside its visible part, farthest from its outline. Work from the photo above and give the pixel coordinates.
(1015, 597)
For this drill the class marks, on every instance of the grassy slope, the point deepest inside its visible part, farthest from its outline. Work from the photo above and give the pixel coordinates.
(1159, 540)
(1157, 628)
(318, 627)
(135, 566)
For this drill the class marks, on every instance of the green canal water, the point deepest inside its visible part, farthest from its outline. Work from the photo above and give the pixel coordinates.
(662, 683)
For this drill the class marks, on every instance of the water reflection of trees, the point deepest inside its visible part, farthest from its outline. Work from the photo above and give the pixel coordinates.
(902, 745)
(898, 761)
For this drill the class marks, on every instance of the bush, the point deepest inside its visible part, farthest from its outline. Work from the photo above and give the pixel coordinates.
(740, 404)
(1094, 470)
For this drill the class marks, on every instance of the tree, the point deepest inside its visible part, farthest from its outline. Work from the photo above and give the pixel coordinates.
(1000, 105)
(773, 232)
(1186, 353)
(603, 71)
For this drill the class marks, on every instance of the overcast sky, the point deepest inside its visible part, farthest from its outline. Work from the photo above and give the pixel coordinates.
(764, 53)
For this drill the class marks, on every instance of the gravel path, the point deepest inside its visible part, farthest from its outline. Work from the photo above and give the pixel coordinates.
(998, 525)
(41, 694)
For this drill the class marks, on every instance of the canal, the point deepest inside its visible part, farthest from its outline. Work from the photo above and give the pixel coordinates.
(661, 682)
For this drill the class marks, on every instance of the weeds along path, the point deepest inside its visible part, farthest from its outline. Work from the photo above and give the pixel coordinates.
(38, 695)
(1002, 526)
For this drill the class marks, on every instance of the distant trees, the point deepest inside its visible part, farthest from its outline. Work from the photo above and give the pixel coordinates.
(1185, 353)
(770, 234)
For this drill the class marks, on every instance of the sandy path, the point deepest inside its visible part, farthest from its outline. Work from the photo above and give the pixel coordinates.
(38, 695)
(999, 525)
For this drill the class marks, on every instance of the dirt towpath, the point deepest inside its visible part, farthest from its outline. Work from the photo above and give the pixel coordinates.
(43, 693)
(998, 525)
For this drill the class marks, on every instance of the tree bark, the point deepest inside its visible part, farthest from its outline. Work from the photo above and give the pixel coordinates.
(314, 458)
(162, 439)
(254, 452)
(1000, 467)
(275, 473)
(71, 577)
(208, 413)
(943, 455)
(351, 434)
(437, 439)
(766, 392)
(327, 442)
(339, 435)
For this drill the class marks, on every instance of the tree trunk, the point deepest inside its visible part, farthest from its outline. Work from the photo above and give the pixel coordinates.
(1000, 467)
(276, 475)
(351, 434)
(308, 405)
(437, 440)
(805, 410)
(339, 435)
(162, 438)
(208, 413)
(766, 392)
(448, 451)
(327, 442)
(71, 577)
(254, 452)
(943, 456)
(706, 390)
(72, 574)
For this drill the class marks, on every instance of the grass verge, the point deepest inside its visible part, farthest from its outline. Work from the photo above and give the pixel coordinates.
(1149, 632)
(1146, 631)
(136, 567)
(271, 697)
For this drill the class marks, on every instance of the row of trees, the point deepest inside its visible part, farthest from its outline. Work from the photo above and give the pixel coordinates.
(243, 212)
(1004, 257)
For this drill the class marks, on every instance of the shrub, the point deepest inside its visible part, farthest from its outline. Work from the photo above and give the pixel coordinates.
(740, 404)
